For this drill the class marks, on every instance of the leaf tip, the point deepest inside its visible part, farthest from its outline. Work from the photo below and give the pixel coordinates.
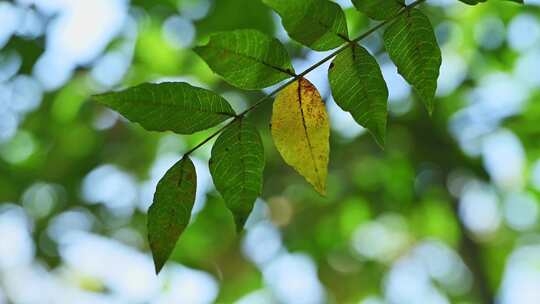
(379, 135)
(99, 98)
(429, 103)
(321, 189)
(239, 222)
(201, 51)
(157, 257)
(381, 141)
(157, 254)
(198, 50)
(430, 109)
(158, 266)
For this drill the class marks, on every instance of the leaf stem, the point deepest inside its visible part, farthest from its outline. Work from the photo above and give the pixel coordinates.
(305, 72)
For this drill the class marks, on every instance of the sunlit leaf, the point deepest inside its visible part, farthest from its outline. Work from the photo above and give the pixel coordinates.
(247, 59)
(224, 15)
(359, 88)
(236, 166)
(170, 213)
(318, 24)
(169, 106)
(379, 9)
(472, 2)
(301, 131)
(411, 44)
(475, 2)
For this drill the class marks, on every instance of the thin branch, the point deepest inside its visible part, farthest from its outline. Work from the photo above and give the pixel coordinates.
(304, 73)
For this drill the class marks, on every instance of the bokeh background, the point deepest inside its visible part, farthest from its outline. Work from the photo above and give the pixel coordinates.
(447, 213)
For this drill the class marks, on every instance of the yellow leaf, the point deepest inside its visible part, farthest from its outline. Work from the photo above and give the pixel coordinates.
(301, 131)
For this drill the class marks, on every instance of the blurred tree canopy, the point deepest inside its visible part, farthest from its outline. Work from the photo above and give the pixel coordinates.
(448, 212)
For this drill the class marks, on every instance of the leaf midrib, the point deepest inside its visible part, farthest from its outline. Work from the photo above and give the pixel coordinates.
(299, 92)
(279, 69)
(417, 51)
(174, 106)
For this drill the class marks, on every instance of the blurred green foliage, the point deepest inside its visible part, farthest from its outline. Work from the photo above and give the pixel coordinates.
(406, 187)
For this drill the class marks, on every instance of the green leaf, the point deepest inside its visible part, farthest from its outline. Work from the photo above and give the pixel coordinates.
(237, 165)
(255, 15)
(301, 131)
(379, 9)
(359, 88)
(475, 2)
(411, 44)
(170, 213)
(318, 24)
(169, 106)
(472, 2)
(247, 59)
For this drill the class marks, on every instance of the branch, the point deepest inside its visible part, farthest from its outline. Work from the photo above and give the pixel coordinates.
(304, 73)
